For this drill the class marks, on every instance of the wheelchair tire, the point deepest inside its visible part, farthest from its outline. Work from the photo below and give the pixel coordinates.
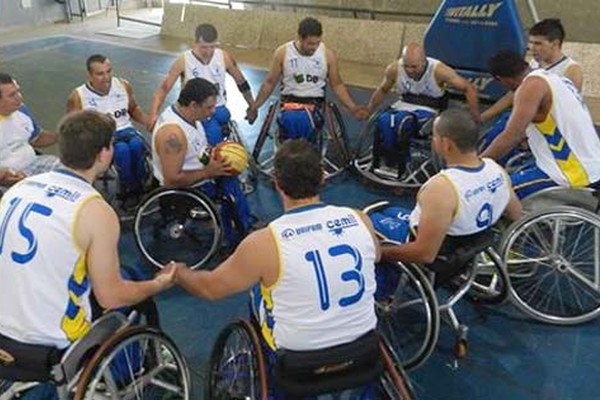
(335, 153)
(394, 382)
(237, 365)
(410, 319)
(178, 224)
(137, 362)
(552, 258)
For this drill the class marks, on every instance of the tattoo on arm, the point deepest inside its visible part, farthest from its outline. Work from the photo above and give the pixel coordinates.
(173, 145)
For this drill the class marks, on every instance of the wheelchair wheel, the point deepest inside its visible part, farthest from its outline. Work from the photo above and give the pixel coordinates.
(422, 164)
(331, 142)
(265, 147)
(553, 261)
(409, 319)
(177, 224)
(135, 363)
(334, 142)
(394, 382)
(237, 365)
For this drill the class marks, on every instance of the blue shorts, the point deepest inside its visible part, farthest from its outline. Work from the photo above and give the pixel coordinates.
(530, 180)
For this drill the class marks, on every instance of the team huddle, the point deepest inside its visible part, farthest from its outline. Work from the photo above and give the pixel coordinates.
(331, 301)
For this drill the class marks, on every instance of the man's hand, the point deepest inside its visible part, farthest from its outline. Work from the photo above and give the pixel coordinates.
(251, 114)
(218, 167)
(9, 177)
(360, 112)
(166, 277)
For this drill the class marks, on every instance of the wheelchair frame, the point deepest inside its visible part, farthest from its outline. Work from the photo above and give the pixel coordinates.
(262, 162)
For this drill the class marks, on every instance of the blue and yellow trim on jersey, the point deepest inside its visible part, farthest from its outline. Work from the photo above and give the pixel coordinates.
(566, 160)
(75, 323)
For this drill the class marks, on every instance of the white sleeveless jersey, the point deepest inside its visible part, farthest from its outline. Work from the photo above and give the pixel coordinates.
(324, 293)
(426, 86)
(214, 71)
(17, 130)
(194, 134)
(566, 145)
(115, 103)
(44, 290)
(558, 67)
(483, 193)
(304, 76)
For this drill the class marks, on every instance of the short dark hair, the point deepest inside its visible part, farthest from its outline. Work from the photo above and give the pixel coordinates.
(206, 32)
(95, 58)
(298, 169)
(310, 26)
(458, 125)
(550, 28)
(507, 64)
(198, 90)
(82, 134)
(5, 79)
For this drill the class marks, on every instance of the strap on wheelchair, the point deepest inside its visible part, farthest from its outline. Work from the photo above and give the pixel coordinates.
(318, 101)
(27, 362)
(437, 103)
(308, 373)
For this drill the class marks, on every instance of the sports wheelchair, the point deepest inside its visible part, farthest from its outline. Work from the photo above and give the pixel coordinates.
(328, 136)
(115, 359)
(547, 264)
(241, 367)
(112, 189)
(405, 160)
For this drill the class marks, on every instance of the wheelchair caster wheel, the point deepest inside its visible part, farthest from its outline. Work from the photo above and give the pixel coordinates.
(461, 348)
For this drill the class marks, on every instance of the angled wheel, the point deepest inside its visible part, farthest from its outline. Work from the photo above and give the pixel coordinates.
(553, 261)
(334, 142)
(394, 382)
(265, 147)
(135, 363)
(421, 165)
(409, 318)
(237, 365)
(178, 224)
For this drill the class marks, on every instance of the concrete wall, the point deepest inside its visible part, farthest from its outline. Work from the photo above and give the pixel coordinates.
(12, 14)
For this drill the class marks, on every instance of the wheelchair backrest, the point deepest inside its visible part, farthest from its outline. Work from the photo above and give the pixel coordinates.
(479, 28)
(309, 373)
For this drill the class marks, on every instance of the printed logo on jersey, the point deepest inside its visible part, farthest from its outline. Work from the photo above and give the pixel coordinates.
(490, 186)
(337, 226)
(290, 233)
(92, 103)
(64, 193)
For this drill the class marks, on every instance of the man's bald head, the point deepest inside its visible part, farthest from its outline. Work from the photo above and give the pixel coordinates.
(414, 60)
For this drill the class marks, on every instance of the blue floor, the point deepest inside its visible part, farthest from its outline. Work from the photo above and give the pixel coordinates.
(510, 356)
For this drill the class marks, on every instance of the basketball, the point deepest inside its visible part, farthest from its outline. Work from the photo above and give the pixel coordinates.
(233, 152)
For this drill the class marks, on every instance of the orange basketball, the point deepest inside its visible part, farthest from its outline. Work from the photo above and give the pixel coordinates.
(233, 152)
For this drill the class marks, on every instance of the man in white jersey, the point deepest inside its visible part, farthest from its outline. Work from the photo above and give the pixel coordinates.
(465, 198)
(545, 43)
(314, 264)
(181, 156)
(205, 60)
(20, 136)
(114, 96)
(58, 242)
(549, 111)
(421, 83)
(304, 66)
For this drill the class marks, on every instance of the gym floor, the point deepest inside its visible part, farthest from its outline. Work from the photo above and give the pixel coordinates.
(510, 356)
